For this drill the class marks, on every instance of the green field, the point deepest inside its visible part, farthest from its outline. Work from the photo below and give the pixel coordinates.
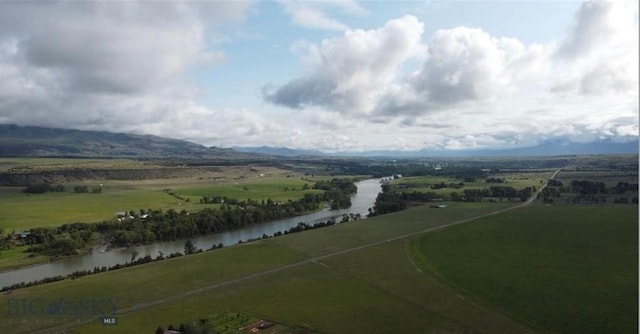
(534, 269)
(22, 211)
(566, 269)
(16, 257)
(259, 188)
(570, 279)
(352, 292)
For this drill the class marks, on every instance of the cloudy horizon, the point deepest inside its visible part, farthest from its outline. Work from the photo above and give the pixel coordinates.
(332, 76)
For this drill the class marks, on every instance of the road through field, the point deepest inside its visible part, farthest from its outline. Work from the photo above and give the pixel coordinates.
(316, 259)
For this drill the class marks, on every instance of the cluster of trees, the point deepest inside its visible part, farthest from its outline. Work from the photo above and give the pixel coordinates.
(588, 187)
(494, 180)
(213, 199)
(509, 193)
(443, 185)
(201, 326)
(85, 189)
(33, 283)
(390, 200)
(67, 239)
(623, 187)
(584, 191)
(413, 169)
(337, 192)
(171, 193)
(41, 188)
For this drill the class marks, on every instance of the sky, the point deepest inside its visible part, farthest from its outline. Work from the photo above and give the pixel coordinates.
(326, 75)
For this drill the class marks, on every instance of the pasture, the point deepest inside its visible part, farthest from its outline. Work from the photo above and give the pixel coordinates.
(561, 269)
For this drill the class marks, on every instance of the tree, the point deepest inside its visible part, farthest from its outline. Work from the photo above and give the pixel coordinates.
(189, 247)
(159, 330)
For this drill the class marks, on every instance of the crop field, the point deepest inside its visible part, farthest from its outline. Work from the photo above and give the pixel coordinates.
(561, 269)
(328, 297)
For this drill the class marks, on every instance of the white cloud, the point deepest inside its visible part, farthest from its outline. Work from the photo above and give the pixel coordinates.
(600, 53)
(478, 90)
(313, 14)
(349, 72)
(117, 66)
(125, 66)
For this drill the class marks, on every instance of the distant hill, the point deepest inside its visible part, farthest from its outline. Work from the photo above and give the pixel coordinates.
(32, 141)
(547, 148)
(279, 151)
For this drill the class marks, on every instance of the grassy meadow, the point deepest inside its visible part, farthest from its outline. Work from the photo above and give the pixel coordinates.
(565, 269)
(16, 257)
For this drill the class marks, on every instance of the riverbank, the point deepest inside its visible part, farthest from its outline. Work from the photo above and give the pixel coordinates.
(301, 227)
(361, 202)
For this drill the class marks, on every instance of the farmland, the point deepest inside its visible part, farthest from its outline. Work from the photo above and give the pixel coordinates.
(331, 294)
(555, 267)
(23, 211)
(566, 269)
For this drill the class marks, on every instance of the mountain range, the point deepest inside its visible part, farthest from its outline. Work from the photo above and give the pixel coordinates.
(546, 148)
(32, 141)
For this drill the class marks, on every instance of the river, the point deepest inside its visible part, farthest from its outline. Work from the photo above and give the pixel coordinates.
(360, 203)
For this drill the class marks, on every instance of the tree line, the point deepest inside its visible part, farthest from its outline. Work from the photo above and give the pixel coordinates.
(70, 239)
(41, 188)
(390, 200)
(584, 191)
(189, 248)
